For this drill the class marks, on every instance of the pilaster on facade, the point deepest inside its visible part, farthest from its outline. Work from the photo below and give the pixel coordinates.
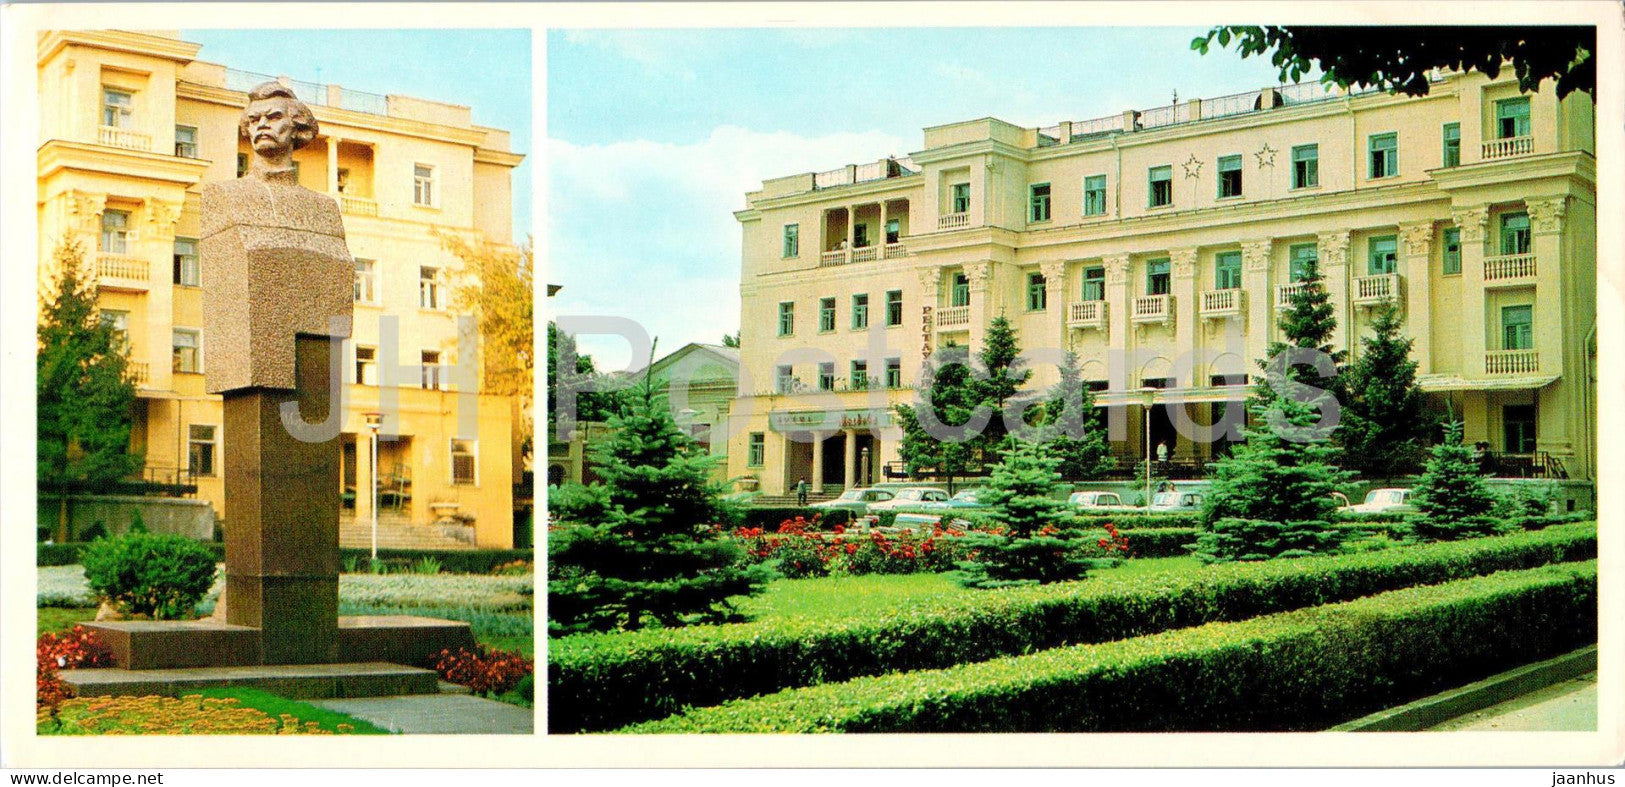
(1055, 300)
(1418, 250)
(1117, 267)
(1183, 263)
(979, 274)
(1474, 221)
(1333, 251)
(1551, 322)
(1256, 280)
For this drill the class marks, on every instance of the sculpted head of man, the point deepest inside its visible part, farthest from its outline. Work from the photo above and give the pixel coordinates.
(276, 123)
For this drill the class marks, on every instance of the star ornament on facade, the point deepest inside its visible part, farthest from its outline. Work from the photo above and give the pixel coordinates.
(1266, 156)
(1193, 168)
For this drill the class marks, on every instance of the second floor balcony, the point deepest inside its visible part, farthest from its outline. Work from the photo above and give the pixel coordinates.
(122, 271)
(116, 137)
(1222, 304)
(1286, 292)
(953, 221)
(1508, 147)
(953, 316)
(1509, 269)
(1374, 290)
(1087, 314)
(1512, 362)
(1153, 309)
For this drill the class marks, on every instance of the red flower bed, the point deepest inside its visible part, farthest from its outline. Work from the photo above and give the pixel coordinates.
(803, 551)
(53, 652)
(483, 670)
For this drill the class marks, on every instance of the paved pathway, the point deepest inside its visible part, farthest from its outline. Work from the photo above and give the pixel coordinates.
(438, 713)
(1570, 706)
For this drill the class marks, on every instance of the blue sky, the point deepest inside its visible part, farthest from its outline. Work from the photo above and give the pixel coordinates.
(488, 71)
(656, 135)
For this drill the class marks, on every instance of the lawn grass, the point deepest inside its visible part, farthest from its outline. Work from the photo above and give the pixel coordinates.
(305, 712)
(55, 620)
(223, 711)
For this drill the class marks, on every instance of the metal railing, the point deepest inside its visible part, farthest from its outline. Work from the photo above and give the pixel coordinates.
(1512, 362)
(953, 315)
(1508, 464)
(112, 136)
(1086, 314)
(314, 93)
(1506, 148)
(1083, 129)
(1305, 93)
(1163, 116)
(1237, 104)
(1509, 266)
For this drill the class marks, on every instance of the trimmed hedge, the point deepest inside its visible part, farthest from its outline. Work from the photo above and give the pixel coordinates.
(601, 682)
(460, 561)
(770, 518)
(1301, 670)
(67, 554)
(1155, 541)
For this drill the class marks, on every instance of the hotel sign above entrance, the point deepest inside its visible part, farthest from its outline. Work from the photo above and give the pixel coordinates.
(828, 420)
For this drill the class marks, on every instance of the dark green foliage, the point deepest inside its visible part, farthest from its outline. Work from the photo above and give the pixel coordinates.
(1308, 326)
(947, 395)
(67, 554)
(1453, 498)
(1280, 474)
(1302, 670)
(574, 374)
(1000, 390)
(770, 518)
(1019, 496)
(150, 574)
(1398, 58)
(84, 390)
(1258, 539)
(654, 553)
(1079, 438)
(604, 681)
(1385, 417)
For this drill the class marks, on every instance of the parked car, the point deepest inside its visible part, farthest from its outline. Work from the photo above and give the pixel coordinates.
(855, 500)
(1384, 501)
(1177, 501)
(1098, 501)
(909, 496)
(964, 499)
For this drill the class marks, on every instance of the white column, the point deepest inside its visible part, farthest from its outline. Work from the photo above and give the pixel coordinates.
(1118, 304)
(1334, 274)
(1474, 222)
(1418, 266)
(850, 471)
(818, 462)
(881, 241)
(332, 165)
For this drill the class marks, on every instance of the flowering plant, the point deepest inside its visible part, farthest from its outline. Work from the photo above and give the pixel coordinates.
(483, 670)
(72, 650)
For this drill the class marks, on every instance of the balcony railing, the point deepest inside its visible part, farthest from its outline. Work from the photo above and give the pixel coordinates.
(1284, 294)
(113, 136)
(953, 315)
(866, 254)
(1372, 290)
(1509, 268)
(1087, 314)
(837, 257)
(1153, 308)
(953, 221)
(1508, 147)
(1223, 303)
(1512, 362)
(357, 206)
(115, 269)
(896, 250)
(140, 373)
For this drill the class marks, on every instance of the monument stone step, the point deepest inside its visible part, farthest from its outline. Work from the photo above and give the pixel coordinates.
(294, 681)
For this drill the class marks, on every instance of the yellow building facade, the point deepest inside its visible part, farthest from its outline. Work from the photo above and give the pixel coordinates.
(132, 123)
(1160, 245)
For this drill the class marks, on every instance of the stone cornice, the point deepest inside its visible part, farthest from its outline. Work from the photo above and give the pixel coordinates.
(980, 147)
(1576, 166)
(50, 42)
(58, 154)
(499, 157)
(342, 118)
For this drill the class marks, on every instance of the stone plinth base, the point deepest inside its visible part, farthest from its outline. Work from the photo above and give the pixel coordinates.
(294, 681)
(160, 644)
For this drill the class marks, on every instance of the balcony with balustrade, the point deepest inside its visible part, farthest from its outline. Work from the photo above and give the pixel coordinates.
(1501, 362)
(953, 221)
(123, 271)
(1508, 147)
(1509, 270)
(953, 317)
(113, 136)
(1284, 293)
(140, 373)
(1223, 304)
(1150, 309)
(1087, 314)
(851, 232)
(1371, 291)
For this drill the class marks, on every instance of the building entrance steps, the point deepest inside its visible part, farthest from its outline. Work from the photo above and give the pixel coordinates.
(294, 681)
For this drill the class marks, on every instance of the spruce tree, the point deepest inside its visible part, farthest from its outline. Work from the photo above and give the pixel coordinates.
(1452, 496)
(1385, 418)
(1037, 546)
(947, 396)
(84, 388)
(1079, 439)
(651, 551)
(1308, 325)
(1001, 388)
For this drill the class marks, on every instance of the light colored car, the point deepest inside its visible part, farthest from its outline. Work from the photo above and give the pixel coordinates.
(963, 500)
(855, 500)
(1098, 501)
(1384, 501)
(908, 497)
(1177, 501)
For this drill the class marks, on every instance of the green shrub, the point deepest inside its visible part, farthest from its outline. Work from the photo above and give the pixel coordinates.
(452, 561)
(1030, 549)
(150, 574)
(605, 681)
(1452, 495)
(428, 564)
(769, 518)
(1152, 542)
(1256, 539)
(1302, 670)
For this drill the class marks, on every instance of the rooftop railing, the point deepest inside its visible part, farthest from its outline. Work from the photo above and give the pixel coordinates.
(314, 93)
(863, 173)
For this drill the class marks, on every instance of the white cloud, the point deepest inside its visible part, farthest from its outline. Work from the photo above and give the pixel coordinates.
(655, 50)
(646, 230)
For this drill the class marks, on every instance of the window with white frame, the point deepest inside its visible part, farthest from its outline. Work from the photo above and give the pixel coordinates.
(429, 295)
(423, 185)
(826, 376)
(366, 281)
(200, 446)
(115, 231)
(117, 107)
(1384, 152)
(787, 318)
(464, 462)
(785, 378)
(366, 365)
(186, 264)
(792, 240)
(432, 377)
(186, 344)
(186, 141)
